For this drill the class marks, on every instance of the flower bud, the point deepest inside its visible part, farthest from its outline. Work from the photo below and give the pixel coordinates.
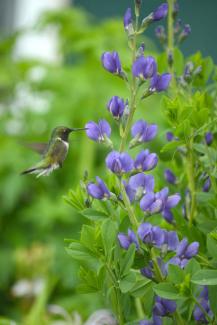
(207, 185)
(116, 107)
(209, 138)
(160, 33)
(169, 176)
(111, 62)
(128, 22)
(185, 33)
(160, 12)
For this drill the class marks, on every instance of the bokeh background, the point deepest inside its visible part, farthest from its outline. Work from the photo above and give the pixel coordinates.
(50, 74)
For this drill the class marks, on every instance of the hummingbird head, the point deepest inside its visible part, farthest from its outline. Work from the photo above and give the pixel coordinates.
(63, 132)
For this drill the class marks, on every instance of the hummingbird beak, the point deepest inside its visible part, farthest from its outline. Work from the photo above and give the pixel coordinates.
(78, 129)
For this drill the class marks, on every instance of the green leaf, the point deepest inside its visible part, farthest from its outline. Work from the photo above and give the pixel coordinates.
(140, 287)
(94, 215)
(167, 291)
(192, 267)
(213, 298)
(205, 277)
(171, 146)
(83, 255)
(127, 261)
(212, 246)
(109, 234)
(88, 236)
(175, 274)
(127, 282)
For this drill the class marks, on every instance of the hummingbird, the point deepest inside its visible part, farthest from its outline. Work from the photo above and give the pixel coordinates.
(53, 153)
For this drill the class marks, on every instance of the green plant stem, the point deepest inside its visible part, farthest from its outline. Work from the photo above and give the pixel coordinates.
(133, 93)
(191, 183)
(119, 312)
(139, 308)
(129, 208)
(170, 33)
(202, 309)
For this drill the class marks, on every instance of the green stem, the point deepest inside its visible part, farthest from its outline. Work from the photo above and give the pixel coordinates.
(117, 304)
(202, 309)
(178, 319)
(128, 206)
(191, 183)
(133, 93)
(139, 308)
(170, 32)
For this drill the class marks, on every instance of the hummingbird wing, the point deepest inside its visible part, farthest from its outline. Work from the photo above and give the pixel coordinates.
(39, 147)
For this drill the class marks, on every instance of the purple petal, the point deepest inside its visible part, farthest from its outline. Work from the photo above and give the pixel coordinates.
(156, 206)
(182, 247)
(169, 305)
(124, 240)
(141, 180)
(209, 138)
(146, 201)
(150, 162)
(111, 157)
(173, 200)
(103, 187)
(151, 132)
(111, 62)
(144, 230)
(160, 12)
(160, 82)
(138, 128)
(126, 162)
(133, 238)
(159, 309)
(92, 130)
(104, 128)
(172, 240)
(158, 236)
(169, 176)
(127, 18)
(192, 250)
(140, 158)
(116, 106)
(167, 215)
(163, 194)
(95, 191)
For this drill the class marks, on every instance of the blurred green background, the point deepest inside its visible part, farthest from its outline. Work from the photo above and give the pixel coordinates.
(35, 97)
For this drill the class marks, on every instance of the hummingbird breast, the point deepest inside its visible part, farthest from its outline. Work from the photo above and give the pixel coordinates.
(57, 152)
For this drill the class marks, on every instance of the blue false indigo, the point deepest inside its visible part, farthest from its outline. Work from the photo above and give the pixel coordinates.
(145, 161)
(177, 26)
(116, 107)
(111, 62)
(156, 320)
(170, 177)
(128, 22)
(160, 82)
(126, 240)
(140, 51)
(142, 132)
(119, 163)
(141, 184)
(170, 136)
(189, 68)
(160, 12)
(209, 138)
(171, 240)
(185, 33)
(144, 67)
(148, 271)
(150, 234)
(164, 307)
(99, 190)
(160, 33)
(184, 253)
(198, 314)
(207, 185)
(98, 132)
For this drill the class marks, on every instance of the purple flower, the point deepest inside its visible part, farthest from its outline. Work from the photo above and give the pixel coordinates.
(164, 307)
(116, 107)
(185, 32)
(204, 302)
(150, 234)
(184, 253)
(156, 320)
(169, 176)
(98, 132)
(160, 202)
(160, 12)
(138, 185)
(119, 163)
(145, 161)
(111, 62)
(99, 190)
(128, 19)
(126, 240)
(142, 132)
(171, 240)
(160, 33)
(209, 138)
(207, 185)
(170, 136)
(160, 82)
(144, 67)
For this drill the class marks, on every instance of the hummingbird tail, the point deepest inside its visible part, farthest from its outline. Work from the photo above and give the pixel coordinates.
(32, 170)
(41, 171)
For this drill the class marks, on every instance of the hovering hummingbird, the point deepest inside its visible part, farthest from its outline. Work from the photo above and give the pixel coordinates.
(53, 153)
